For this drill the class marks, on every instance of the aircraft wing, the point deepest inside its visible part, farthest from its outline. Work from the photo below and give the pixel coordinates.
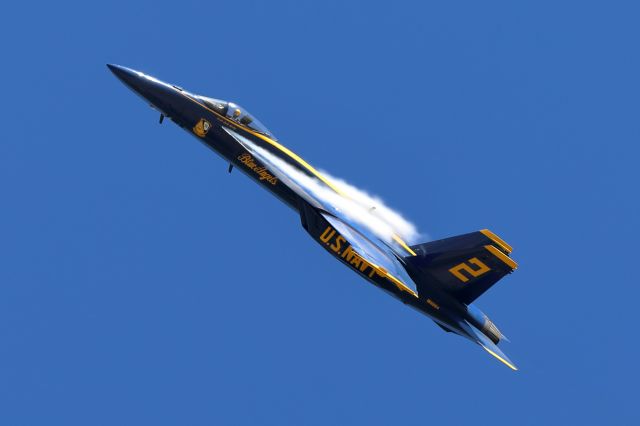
(486, 343)
(374, 261)
(323, 197)
(367, 245)
(375, 252)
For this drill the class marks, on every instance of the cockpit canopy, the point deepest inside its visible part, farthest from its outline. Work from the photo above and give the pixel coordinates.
(236, 113)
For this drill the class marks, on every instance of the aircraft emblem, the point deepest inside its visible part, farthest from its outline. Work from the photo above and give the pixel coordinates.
(201, 128)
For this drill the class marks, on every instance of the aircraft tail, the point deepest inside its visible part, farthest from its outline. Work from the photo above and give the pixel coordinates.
(465, 265)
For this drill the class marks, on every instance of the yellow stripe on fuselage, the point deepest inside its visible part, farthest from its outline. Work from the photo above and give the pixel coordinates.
(273, 143)
(292, 155)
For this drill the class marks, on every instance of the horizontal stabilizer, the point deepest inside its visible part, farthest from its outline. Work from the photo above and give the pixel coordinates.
(486, 344)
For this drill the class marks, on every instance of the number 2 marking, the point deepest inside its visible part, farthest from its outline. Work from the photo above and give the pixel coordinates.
(481, 269)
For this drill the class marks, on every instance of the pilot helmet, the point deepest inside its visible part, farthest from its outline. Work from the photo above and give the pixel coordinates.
(236, 113)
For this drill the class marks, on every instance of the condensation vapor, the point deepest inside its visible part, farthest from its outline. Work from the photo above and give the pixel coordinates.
(376, 207)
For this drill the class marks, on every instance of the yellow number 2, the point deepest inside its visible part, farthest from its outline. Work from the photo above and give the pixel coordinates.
(481, 269)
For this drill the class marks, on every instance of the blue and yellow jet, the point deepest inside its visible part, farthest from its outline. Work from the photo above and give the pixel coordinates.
(440, 278)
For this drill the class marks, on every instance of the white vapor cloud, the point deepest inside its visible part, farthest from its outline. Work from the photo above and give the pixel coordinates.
(400, 225)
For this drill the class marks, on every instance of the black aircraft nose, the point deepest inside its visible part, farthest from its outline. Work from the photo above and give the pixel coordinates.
(161, 95)
(126, 75)
(135, 80)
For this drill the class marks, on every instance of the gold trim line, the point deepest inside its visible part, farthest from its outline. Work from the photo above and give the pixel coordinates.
(499, 241)
(508, 364)
(404, 245)
(503, 257)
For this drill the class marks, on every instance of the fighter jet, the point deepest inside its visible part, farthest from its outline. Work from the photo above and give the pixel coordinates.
(440, 279)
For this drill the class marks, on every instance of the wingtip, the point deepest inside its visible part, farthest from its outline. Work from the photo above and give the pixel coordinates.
(506, 362)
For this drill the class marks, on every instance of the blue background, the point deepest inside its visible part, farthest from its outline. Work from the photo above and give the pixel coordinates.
(141, 284)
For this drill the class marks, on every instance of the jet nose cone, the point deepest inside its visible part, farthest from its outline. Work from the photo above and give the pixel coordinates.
(113, 67)
(159, 94)
(126, 75)
(141, 84)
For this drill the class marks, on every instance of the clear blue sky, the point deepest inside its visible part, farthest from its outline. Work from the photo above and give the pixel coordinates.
(141, 284)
